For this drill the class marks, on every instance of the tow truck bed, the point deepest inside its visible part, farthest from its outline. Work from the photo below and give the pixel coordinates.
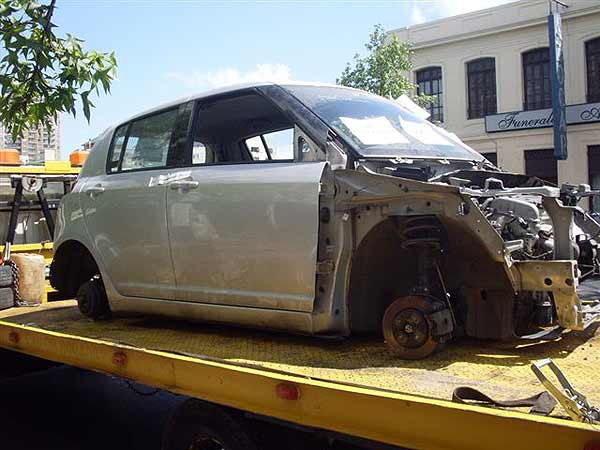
(351, 386)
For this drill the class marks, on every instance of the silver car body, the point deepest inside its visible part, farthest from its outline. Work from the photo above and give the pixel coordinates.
(274, 244)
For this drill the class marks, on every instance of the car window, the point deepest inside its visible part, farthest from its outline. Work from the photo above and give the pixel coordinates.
(239, 129)
(199, 153)
(257, 148)
(380, 127)
(203, 153)
(117, 147)
(278, 145)
(147, 145)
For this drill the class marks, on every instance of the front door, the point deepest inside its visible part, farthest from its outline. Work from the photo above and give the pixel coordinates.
(243, 217)
(125, 209)
(246, 234)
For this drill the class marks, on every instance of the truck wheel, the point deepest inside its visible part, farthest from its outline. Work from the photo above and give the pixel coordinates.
(408, 331)
(92, 300)
(198, 425)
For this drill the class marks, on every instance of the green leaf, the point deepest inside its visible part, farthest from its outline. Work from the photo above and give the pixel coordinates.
(383, 69)
(42, 74)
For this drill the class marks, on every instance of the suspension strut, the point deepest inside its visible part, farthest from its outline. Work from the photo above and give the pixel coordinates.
(419, 324)
(423, 234)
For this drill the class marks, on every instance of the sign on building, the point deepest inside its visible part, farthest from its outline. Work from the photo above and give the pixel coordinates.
(541, 118)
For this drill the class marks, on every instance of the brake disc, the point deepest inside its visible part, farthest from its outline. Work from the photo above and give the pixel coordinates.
(409, 328)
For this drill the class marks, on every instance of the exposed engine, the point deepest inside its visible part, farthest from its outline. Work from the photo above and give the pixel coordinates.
(522, 226)
(527, 230)
(513, 205)
(539, 279)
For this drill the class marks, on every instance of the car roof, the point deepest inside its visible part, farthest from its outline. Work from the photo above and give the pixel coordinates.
(225, 90)
(212, 92)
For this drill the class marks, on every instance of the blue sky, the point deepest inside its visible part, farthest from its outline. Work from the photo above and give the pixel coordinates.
(170, 48)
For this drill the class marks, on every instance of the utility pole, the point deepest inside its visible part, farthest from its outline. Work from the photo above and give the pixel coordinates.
(557, 79)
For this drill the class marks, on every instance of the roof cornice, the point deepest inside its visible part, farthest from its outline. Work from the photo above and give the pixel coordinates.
(595, 9)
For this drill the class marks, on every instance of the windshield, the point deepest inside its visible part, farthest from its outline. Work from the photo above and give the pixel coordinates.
(378, 127)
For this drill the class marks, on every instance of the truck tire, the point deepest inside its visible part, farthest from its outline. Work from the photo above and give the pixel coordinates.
(7, 298)
(92, 300)
(6, 277)
(198, 425)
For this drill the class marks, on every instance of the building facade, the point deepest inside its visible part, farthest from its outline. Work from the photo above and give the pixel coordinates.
(36, 145)
(489, 72)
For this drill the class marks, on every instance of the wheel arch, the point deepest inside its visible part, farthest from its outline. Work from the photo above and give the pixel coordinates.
(377, 275)
(72, 265)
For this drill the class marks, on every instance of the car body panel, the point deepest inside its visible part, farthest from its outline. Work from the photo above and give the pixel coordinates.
(125, 226)
(247, 234)
(128, 228)
(324, 247)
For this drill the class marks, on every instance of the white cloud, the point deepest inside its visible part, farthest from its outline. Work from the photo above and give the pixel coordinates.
(445, 8)
(454, 7)
(278, 73)
(417, 16)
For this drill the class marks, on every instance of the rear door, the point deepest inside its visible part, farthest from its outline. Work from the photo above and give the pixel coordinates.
(245, 233)
(125, 209)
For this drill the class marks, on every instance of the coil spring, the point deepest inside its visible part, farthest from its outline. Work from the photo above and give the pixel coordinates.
(421, 232)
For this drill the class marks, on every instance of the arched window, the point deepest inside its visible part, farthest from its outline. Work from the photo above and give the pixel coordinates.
(481, 81)
(592, 57)
(536, 79)
(429, 82)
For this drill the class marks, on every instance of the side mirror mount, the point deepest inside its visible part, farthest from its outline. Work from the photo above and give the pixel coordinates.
(336, 156)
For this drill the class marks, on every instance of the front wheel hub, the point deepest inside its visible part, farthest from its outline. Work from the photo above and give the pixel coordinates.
(408, 327)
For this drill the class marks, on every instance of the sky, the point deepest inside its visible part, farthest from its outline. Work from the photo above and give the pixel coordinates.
(171, 48)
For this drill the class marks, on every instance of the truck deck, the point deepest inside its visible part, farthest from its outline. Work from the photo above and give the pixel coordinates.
(352, 386)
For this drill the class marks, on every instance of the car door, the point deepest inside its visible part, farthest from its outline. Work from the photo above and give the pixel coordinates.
(125, 208)
(245, 233)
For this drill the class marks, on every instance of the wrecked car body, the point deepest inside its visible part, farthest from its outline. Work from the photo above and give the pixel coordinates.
(374, 220)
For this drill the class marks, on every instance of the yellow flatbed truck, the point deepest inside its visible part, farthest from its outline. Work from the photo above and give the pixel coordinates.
(349, 387)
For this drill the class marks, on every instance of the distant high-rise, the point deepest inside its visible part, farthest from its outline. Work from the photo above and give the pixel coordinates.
(37, 145)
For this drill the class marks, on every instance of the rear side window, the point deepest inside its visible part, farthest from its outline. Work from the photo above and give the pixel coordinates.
(148, 142)
(116, 148)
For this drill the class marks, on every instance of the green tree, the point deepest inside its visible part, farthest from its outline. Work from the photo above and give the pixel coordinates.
(382, 71)
(42, 74)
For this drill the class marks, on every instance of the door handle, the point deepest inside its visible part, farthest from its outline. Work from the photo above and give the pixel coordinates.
(94, 190)
(184, 184)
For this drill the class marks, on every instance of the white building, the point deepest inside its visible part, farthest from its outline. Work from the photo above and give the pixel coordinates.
(36, 145)
(489, 70)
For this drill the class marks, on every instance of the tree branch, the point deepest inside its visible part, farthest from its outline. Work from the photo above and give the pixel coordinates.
(36, 69)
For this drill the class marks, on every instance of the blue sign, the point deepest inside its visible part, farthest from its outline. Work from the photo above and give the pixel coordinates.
(557, 81)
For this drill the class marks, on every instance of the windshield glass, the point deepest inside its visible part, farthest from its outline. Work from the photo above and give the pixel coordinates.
(378, 127)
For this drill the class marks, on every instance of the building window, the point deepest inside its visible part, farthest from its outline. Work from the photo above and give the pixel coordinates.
(594, 174)
(542, 164)
(592, 56)
(481, 81)
(429, 82)
(536, 79)
(491, 157)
